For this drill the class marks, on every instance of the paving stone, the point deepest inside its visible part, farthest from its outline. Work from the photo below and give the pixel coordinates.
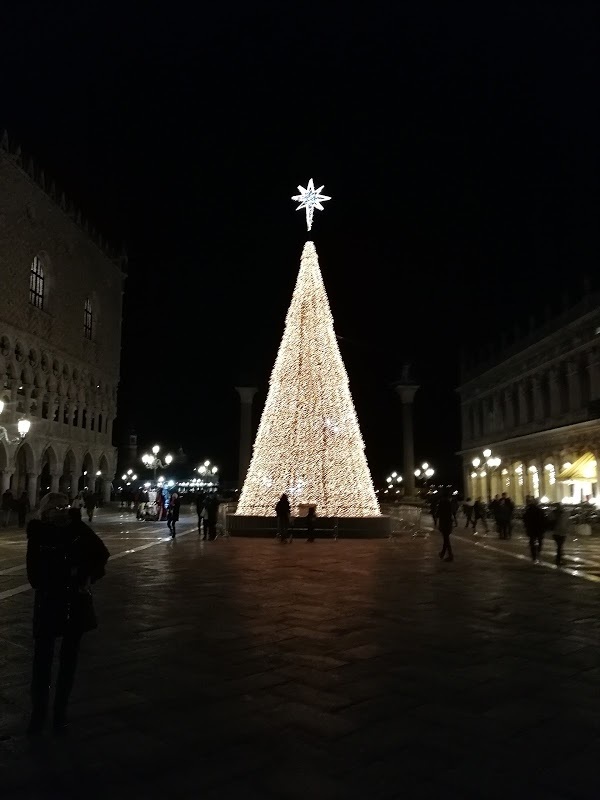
(355, 669)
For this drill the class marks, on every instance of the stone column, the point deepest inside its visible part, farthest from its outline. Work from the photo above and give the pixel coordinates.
(593, 365)
(574, 390)
(55, 481)
(510, 412)
(246, 394)
(61, 409)
(407, 393)
(6, 476)
(522, 404)
(538, 408)
(554, 393)
(32, 482)
(106, 489)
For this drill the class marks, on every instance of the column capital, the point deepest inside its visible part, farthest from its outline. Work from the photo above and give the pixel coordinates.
(246, 393)
(406, 392)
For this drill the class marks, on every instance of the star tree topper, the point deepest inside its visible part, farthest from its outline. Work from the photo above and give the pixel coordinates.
(310, 198)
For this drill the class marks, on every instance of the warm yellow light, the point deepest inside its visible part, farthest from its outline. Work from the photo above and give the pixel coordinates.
(394, 474)
(487, 453)
(476, 462)
(473, 474)
(424, 466)
(1, 406)
(308, 443)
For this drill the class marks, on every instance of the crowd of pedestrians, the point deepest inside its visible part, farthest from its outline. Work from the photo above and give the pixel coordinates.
(501, 509)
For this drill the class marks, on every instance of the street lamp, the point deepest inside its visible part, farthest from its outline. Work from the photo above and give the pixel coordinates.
(425, 472)
(489, 461)
(393, 479)
(153, 462)
(23, 426)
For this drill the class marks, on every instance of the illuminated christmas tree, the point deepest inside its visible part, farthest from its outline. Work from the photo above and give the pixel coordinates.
(309, 443)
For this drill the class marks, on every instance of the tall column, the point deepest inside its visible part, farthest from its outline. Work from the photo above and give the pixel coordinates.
(246, 394)
(55, 481)
(510, 411)
(106, 489)
(538, 407)
(407, 395)
(522, 404)
(554, 393)
(574, 390)
(6, 476)
(32, 482)
(593, 365)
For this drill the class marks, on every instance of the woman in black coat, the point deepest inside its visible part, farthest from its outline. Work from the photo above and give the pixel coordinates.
(64, 556)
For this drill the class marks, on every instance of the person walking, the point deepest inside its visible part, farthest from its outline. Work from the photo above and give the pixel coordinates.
(199, 502)
(454, 506)
(434, 502)
(560, 531)
(173, 513)
(504, 514)
(212, 509)
(468, 511)
(536, 524)
(445, 525)
(7, 507)
(310, 524)
(64, 557)
(283, 511)
(22, 509)
(90, 501)
(479, 513)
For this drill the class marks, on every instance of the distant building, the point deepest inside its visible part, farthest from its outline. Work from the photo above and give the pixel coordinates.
(536, 407)
(60, 338)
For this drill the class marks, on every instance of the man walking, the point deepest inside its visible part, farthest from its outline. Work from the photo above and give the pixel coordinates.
(535, 523)
(445, 519)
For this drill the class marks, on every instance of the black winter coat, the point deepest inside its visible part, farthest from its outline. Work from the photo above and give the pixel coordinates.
(62, 560)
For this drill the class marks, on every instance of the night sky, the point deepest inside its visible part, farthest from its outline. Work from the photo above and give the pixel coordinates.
(459, 143)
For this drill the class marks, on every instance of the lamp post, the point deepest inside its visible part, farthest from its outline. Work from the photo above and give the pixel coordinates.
(393, 480)
(153, 462)
(489, 461)
(208, 470)
(425, 472)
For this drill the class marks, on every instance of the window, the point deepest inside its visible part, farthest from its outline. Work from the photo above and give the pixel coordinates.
(36, 283)
(87, 319)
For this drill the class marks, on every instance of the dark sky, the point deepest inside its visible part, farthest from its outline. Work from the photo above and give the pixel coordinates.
(459, 143)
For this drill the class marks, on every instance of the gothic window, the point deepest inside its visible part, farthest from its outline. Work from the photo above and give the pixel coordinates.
(36, 283)
(584, 383)
(563, 389)
(87, 319)
(529, 402)
(516, 407)
(545, 394)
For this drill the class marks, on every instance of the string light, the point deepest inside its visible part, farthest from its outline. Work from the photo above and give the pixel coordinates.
(309, 443)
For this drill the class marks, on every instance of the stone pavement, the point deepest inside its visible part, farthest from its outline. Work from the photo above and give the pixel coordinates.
(242, 668)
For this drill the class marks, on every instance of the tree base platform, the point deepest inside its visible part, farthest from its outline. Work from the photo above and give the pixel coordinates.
(325, 527)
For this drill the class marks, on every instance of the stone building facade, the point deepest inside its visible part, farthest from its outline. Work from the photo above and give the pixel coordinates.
(60, 339)
(537, 409)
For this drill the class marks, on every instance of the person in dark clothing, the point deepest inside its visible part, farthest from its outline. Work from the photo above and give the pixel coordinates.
(495, 512)
(479, 513)
(445, 519)
(454, 506)
(468, 511)
(7, 506)
(433, 508)
(64, 556)
(283, 511)
(536, 524)
(310, 524)
(173, 513)
(22, 509)
(91, 501)
(504, 516)
(199, 501)
(212, 509)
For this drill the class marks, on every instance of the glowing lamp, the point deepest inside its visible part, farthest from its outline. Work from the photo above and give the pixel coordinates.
(487, 453)
(155, 449)
(23, 426)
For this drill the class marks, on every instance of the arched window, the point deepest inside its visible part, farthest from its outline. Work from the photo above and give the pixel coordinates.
(88, 319)
(36, 283)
